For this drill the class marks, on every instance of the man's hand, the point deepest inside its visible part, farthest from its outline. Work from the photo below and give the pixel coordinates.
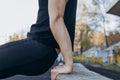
(59, 69)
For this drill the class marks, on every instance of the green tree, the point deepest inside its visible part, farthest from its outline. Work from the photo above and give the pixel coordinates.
(85, 43)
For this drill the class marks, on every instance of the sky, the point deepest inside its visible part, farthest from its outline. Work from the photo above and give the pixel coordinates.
(16, 15)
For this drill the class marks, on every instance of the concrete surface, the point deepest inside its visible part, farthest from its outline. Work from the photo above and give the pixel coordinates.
(79, 73)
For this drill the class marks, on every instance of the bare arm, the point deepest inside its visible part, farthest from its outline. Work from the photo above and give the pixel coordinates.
(56, 12)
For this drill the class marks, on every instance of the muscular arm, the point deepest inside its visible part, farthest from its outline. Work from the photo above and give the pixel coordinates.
(56, 10)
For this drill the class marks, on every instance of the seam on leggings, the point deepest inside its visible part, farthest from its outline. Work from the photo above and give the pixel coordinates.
(11, 45)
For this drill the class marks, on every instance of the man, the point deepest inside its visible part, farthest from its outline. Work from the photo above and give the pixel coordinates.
(52, 32)
(61, 15)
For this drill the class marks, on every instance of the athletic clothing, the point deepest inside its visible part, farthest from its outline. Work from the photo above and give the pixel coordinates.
(26, 57)
(41, 32)
(35, 54)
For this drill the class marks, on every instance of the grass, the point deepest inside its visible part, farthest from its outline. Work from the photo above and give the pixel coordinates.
(112, 67)
(79, 59)
(82, 59)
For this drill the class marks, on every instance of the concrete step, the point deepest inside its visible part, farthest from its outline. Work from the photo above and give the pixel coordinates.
(81, 73)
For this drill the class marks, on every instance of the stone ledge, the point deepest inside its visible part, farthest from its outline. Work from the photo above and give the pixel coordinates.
(81, 73)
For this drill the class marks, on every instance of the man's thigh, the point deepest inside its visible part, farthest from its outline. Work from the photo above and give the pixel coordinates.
(24, 54)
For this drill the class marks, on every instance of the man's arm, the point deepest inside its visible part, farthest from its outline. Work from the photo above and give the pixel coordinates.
(56, 10)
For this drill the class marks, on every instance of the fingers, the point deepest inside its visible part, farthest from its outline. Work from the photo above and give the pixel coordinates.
(57, 70)
(54, 74)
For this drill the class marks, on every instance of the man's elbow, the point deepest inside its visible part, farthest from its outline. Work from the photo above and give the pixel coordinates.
(56, 20)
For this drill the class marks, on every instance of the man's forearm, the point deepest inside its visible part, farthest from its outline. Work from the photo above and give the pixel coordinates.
(62, 37)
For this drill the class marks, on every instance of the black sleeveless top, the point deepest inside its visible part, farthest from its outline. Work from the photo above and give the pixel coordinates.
(41, 32)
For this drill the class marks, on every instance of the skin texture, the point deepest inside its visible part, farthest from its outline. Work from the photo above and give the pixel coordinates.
(56, 10)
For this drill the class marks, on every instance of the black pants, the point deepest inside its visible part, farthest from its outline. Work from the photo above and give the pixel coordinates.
(26, 57)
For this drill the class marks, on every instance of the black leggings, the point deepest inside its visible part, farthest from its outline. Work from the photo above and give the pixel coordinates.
(26, 57)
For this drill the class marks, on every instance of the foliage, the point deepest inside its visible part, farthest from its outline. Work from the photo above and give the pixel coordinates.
(85, 43)
(113, 38)
(79, 59)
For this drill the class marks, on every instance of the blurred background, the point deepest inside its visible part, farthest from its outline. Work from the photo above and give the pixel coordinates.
(97, 41)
